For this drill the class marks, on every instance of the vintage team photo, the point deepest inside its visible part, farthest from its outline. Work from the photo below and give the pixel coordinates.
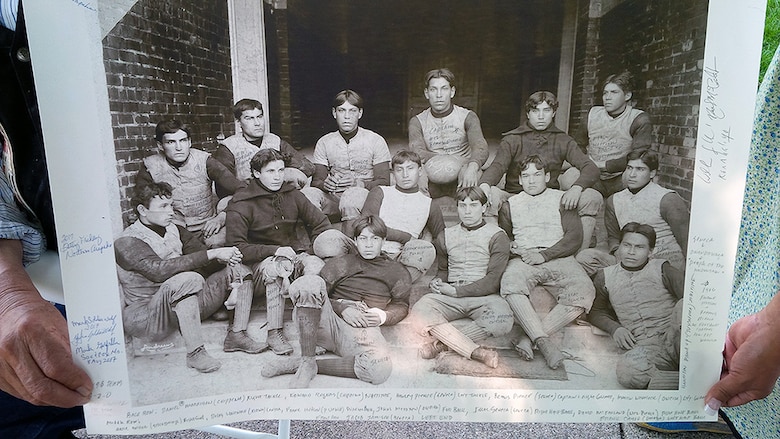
(401, 194)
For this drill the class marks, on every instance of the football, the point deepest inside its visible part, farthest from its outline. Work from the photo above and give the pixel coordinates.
(443, 168)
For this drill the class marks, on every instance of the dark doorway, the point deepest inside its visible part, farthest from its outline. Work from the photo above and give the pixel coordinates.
(500, 51)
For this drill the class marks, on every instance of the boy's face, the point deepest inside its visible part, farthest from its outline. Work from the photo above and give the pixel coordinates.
(470, 212)
(369, 245)
(271, 175)
(638, 174)
(541, 116)
(439, 94)
(614, 98)
(634, 250)
(159, 212)
(406, 174)
(347, 117)
(534, 181)
(175, 146)
(252, 124)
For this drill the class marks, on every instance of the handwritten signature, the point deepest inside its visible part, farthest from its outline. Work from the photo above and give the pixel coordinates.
(85, 5)
(73, 245)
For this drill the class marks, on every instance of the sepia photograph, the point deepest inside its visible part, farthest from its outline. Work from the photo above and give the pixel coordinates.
(399, 200)
(602, 96)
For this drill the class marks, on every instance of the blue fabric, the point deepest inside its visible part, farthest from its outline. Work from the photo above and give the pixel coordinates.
(758, 259)
(8, 12)
(15, 223)
(20, 419)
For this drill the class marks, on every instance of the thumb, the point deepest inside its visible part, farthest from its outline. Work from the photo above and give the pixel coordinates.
(721, 393)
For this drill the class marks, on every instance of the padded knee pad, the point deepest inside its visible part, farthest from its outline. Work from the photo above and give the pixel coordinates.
(373, 366)
(634, 369)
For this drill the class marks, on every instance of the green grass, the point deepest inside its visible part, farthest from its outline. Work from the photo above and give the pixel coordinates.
(771, 35)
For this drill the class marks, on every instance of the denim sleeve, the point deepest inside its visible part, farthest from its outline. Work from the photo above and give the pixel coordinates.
(16, 223)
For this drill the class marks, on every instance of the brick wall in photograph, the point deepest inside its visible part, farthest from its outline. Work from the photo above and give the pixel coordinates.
(662, 43)
(167, 59)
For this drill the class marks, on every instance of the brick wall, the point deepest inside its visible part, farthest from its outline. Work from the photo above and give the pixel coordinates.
(585, 68)
(662, 43)
(167, 59)
(278, 68)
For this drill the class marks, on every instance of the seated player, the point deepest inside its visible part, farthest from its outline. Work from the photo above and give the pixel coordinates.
(645, 202)
(545, 238)
(639, 303)
(191, 173)
(261, 222)
(406, 212)
(539, 136)
(472, 256)
(348, 162)
(161, 269)
(236, 151)
(448, 131)
(342, 310)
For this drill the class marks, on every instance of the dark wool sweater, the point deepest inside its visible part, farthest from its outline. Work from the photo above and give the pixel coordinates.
(260, 221)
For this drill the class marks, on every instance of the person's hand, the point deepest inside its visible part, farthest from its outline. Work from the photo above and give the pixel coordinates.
(751, 362)
(514, 248)
(36, 364)
(296, 177)
(437, 286)
(571, 198)
(345, 181)
(470, 175)
(331, 183)
(355, 317)
(212, 226)
(531, 257)
(225, 255)
(624, 339)
(486, 189)
(374, 317)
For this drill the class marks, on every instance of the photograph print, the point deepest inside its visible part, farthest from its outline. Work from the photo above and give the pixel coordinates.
(483, 197)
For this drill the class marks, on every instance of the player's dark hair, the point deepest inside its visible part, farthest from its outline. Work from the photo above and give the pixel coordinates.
(143, 194)
(642, 229)
(648, 157)
(403, 156)
(246, 105)
(539, 97)
(373, 223)
(266, 156)
(533, 160)
(474, 193)
(350, 96)
(624, 80)
(440, 73)
(170, 126)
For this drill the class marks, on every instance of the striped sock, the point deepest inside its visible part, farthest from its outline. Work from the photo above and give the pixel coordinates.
(560, 316)
(308, 323)
(664, 380)
(337, 367)
(243, 305)
(274, 303)
(526, 315)
(454, 339)
(474, 332)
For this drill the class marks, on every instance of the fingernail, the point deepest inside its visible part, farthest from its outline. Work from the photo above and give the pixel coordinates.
(83, 391)
(712, 407)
